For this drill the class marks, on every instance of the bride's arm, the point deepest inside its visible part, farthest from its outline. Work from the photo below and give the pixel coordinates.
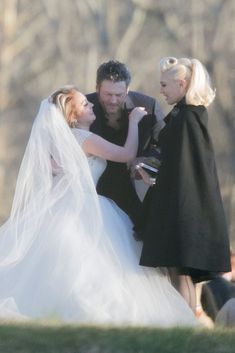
(100, 147)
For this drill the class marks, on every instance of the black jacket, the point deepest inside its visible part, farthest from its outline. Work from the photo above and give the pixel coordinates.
(184, 218)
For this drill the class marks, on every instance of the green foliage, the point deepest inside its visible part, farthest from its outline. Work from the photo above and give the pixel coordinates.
(55, 338)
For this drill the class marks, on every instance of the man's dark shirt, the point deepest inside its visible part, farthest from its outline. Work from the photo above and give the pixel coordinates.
(115, 182)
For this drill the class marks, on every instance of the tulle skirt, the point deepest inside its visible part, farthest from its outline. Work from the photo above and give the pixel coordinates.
(73, 274)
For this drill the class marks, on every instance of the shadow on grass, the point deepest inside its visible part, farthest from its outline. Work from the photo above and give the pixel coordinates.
(55, 338)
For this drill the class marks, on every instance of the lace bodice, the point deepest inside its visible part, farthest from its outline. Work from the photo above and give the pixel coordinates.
(97, 165)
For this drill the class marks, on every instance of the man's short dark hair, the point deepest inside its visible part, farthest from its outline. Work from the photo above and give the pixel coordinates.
(113, 70)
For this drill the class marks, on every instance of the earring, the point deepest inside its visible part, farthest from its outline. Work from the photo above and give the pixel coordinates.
(72, 124)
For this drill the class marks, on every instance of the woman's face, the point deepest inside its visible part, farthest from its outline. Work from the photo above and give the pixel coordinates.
(173, 89)
(82, 110)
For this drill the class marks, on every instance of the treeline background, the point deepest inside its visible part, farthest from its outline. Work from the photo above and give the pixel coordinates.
(48, 43)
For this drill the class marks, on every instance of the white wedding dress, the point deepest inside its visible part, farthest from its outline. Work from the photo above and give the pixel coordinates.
(70, 275)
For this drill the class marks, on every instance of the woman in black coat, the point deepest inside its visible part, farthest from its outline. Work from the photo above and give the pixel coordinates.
(184, 227)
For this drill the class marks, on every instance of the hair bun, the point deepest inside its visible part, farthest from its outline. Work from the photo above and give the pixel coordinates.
(172, 61)
(168, 62)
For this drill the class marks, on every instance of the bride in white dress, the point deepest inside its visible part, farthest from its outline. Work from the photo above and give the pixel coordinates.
(67, 253)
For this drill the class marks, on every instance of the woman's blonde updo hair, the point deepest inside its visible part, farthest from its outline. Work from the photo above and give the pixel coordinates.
(62, 99)
(199, 90)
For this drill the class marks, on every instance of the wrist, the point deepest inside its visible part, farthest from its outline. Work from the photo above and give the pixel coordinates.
(133, 121)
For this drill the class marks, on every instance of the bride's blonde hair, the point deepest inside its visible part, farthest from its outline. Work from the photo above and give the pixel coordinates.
(61, 99)
(199, 90)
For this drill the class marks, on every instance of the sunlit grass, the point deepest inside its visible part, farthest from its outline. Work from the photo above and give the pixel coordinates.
(45, 337)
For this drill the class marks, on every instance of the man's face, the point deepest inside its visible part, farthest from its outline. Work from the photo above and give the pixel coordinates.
(112, 95)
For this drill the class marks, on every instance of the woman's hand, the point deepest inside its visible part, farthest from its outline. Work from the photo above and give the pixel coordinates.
(145, 176)
(137, 114)
(132, 167)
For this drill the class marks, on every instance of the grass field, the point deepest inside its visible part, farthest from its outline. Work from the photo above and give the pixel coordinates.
(56, 338)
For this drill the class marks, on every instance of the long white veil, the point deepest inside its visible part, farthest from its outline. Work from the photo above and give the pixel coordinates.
(38, 191)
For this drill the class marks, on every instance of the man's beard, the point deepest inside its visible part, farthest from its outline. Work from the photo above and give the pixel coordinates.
(112, 110)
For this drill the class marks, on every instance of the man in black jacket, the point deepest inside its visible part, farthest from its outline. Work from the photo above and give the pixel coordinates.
(112, 103)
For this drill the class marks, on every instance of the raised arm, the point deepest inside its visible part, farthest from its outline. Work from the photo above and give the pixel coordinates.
(100, 147)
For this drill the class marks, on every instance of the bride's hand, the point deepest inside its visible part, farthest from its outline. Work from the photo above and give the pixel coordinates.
(137, 114)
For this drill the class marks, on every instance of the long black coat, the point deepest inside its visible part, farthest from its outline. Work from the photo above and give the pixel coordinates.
(116, 182)
(184, 221)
